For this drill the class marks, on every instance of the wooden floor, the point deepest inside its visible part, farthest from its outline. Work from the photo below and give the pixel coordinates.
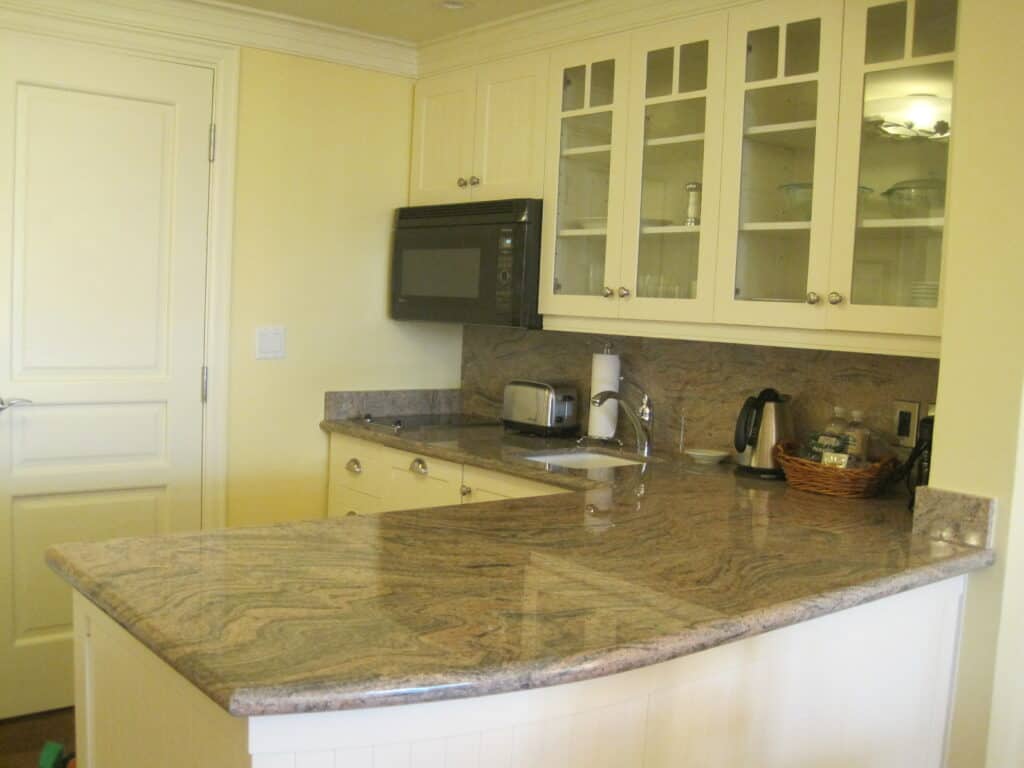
(22, 738)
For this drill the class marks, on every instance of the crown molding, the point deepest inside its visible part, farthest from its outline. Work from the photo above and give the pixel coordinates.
(208, 21)
(549, 28)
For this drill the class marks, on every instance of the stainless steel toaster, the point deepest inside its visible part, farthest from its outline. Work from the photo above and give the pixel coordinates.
(540, 408)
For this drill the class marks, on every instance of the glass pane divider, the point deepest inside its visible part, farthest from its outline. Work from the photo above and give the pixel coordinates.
(799, 125)
(684, 139)
(582, 232)
(908, 30)
(935, 58)
(674, 97)
(584, 111)
(783, 80)
(936, 222)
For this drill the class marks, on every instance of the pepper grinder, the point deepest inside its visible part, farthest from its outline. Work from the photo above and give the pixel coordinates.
(693, 191)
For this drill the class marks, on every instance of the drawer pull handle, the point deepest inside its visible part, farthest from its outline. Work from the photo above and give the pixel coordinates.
(354, 467)
(835, 298)
(465, 490)
(419, 466)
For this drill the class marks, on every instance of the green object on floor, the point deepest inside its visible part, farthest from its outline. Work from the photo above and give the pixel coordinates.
(52, 755)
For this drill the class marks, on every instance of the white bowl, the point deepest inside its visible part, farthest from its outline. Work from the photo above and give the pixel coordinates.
(706, 455)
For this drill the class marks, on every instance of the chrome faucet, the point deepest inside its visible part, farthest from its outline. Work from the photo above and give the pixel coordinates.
(641, 417)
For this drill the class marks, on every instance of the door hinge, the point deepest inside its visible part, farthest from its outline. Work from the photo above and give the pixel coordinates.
(213, 142)
(204, 386)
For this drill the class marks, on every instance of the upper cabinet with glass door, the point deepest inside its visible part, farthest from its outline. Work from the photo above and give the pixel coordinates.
(673, 171)
(584, 178)
(895, 124)
(782, 97)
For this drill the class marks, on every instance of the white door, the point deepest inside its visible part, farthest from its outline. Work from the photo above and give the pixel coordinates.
(104, 179)
(511, 106)
(442, 151)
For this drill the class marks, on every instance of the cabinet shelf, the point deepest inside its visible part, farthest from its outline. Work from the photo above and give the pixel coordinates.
(798, 135)
(583, 232)
(775, 226)
(670, 229)
(922, 223)
(596, 149)
(684, 139)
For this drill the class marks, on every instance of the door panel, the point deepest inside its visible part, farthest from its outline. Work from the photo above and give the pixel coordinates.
(104, 180)
(510, 129)
(442, 131)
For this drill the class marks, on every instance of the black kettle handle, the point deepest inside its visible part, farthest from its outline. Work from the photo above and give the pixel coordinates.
(745, 424)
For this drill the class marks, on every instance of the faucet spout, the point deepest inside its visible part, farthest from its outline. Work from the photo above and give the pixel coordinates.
(641, 417)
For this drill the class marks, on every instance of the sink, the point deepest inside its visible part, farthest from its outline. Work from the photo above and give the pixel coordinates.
(583, 460)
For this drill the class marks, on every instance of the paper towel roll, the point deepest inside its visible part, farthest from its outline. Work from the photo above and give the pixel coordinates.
(604, 375)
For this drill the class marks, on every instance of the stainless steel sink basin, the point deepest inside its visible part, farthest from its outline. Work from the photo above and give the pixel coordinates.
(583, 460)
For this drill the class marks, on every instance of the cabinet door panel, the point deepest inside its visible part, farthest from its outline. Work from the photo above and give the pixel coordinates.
(778, 163)
(484, 485)
(895, 126)
(673, 170)
(584, 178)
(442, 151)
(511, 105)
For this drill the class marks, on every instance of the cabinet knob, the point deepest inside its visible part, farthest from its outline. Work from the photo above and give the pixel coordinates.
(462, 182)
(812, 297)
(419, 466)
(474, 181)
(354, 467)
(351, 513)
(624, 292)
(465, 490)
(607, 292)
(835, 298)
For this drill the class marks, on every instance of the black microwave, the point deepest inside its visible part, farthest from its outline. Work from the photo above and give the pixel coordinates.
(475, 263)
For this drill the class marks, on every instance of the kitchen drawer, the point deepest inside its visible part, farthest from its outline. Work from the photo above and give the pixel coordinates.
(358, 465)
(485, 485)
(344, 501)
(415, 482)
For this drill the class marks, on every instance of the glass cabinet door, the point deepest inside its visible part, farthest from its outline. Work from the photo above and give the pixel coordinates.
(584, 179)
(896, 120)
(674, 170)
(779, 163)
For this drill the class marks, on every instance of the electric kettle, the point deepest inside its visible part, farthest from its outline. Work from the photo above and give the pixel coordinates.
(764, 422)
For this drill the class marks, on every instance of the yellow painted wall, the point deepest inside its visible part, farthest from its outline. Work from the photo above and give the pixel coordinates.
(323, 161)
(978, 421)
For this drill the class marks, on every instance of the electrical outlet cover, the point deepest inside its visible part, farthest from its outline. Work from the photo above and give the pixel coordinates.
(906, 416)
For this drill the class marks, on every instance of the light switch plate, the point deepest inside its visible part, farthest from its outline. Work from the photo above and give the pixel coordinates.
(270, 342)
(906, 416)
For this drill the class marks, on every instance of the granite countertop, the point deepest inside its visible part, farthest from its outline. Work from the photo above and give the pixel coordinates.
(423, 605)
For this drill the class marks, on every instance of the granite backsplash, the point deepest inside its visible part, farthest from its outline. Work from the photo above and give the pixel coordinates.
(707, 382)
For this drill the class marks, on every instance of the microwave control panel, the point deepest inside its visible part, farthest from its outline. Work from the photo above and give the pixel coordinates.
(503, 289)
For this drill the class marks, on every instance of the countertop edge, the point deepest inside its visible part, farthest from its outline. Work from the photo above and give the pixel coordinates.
(252, 702)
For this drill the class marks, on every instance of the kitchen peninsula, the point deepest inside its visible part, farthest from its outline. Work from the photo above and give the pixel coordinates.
(547, 631)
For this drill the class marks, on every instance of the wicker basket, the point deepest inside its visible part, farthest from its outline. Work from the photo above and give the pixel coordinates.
(813, 476)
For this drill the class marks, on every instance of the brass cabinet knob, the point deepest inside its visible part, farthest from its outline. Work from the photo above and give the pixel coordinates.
(419, 466)
(624, 292)
(474, 181)
(354, 467)
(465, 490)
(835, 298)
(607, 292)
(812, 297)
(351, 513)
(462, 182)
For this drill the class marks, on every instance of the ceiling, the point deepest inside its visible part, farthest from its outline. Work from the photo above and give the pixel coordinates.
(412, 20)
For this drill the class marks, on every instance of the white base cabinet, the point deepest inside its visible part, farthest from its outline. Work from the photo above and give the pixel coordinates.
(366, 478)
(868, 686)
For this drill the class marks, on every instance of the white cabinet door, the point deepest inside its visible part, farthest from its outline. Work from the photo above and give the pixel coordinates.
(782, 105)
(673, 171)
(584, 179)
(511, 106)
(104, 178)
(895, 127)
(442, 151)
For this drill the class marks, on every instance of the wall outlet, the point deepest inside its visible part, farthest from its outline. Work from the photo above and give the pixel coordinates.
(906, 416)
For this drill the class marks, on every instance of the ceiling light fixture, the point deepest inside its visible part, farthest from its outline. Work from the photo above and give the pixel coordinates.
(453, 5)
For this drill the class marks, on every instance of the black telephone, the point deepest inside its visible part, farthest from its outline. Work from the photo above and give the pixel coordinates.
(916, 469)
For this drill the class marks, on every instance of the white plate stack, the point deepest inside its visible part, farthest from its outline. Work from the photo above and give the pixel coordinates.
(924, 294)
